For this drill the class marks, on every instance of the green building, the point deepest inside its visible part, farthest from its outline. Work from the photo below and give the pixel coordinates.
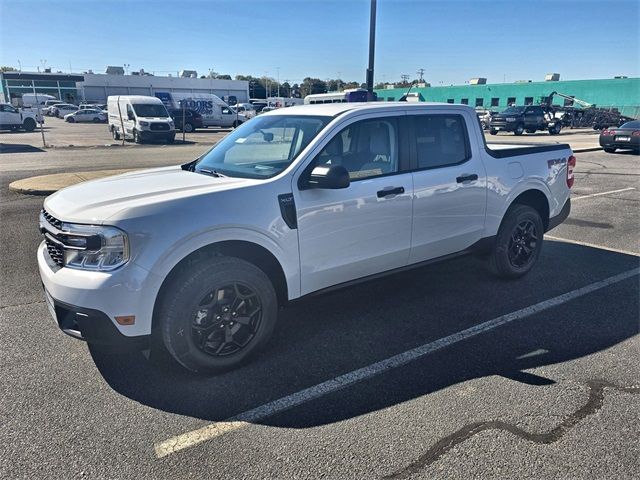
(617, 93)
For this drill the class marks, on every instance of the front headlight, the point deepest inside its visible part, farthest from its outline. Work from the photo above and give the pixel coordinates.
(143, 123)
(93, 247)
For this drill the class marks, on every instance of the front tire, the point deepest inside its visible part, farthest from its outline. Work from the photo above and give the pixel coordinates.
(217, 314)
(518, 243)
(519, 130)
(136, 137)
(115, 134)
(493, 132)
(610, 150)
(70, 120)
(188, 128)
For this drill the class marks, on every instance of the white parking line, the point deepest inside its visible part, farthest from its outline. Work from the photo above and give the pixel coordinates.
(580, 197)
(195, 437)
(592, 245)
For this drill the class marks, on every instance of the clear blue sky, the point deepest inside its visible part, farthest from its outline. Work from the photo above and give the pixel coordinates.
(453, 40)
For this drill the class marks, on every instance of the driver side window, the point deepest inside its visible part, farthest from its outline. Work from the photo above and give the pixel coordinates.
(366, 149)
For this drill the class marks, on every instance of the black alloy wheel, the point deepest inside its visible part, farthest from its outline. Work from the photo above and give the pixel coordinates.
(226, 320)
(522, 244)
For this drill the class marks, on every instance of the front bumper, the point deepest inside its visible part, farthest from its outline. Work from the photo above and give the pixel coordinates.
(91, 301)
(503, 126)
(157, 134)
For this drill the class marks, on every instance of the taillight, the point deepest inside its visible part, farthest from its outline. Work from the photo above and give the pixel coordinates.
(571, 164)
(636, 133)
(606, 133)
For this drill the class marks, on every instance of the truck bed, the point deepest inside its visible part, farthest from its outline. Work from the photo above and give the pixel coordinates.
(502, 150)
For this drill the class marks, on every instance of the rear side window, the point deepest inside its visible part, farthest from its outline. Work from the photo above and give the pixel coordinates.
(440, 140)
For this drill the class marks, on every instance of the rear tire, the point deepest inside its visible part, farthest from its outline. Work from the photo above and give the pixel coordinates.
(610, 150)
(493, 132)
(96, 120)
(218, 313)
(518, 243)
(29, 124)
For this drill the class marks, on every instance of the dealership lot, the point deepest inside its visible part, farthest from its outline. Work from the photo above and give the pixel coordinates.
(59, 133)
(546, 391)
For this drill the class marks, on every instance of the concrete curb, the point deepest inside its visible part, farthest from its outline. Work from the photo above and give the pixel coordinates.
(589, 149)
(48, 184)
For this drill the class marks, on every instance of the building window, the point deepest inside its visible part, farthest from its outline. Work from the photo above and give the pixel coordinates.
(528, 100)
(495, 102)
(479, 102)
(569, 102)
(511, 101)
(464, 101)
(450, 100)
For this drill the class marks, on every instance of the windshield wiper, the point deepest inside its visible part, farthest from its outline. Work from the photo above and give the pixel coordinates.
(213, 173)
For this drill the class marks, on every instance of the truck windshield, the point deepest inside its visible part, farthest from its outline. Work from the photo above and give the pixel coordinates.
(262, 147)
(514, 110)
(150, 110)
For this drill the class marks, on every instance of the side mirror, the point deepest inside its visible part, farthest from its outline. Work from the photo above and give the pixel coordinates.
(329, 176)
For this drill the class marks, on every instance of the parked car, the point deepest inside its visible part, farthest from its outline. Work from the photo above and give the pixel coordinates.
(62, 109)
(625, 137)
(246, 109)
(345, 192)
(192, 119)
(139, 118)
(13, 119)
(520, 119)
(86, 115)
(49, 105)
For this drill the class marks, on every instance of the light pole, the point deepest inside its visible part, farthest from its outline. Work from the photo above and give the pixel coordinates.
(278, 76)
(372, 48)
(126, 68)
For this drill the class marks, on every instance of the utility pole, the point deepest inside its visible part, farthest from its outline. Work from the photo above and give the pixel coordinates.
(405, 78)
(372, 48)
(278, 70)
(420, 74)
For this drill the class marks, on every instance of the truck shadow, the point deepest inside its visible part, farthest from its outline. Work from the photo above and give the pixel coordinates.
(321, 337)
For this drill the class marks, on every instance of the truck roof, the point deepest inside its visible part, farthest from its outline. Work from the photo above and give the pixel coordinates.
(333, 109)
(135, 98)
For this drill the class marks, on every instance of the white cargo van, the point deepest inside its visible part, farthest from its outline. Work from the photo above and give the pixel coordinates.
(214, 111)
(35, 99)
(139, 118)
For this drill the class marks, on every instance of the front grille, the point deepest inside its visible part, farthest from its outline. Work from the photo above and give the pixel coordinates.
(51, 219)
(159, 126)
(55, 252)
(54, 249)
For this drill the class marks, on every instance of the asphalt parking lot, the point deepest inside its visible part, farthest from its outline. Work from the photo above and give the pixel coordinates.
(441, 372)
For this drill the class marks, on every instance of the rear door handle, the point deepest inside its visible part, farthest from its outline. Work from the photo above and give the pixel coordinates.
(467, 178)
(390, 191)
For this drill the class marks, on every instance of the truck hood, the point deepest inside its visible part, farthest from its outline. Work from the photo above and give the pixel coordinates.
(96, 201)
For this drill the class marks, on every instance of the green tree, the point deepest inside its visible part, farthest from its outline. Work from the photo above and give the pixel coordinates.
(312, 85)
(7, 69)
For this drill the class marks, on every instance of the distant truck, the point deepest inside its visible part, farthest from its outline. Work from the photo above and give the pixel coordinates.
(214, 111)
(518, 120)
(139, 118)
(14, 119)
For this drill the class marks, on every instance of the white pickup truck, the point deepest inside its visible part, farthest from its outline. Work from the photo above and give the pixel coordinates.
(295, 201)
(14, 119)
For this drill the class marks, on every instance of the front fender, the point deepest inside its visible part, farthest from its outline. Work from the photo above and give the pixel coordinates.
(183, 247)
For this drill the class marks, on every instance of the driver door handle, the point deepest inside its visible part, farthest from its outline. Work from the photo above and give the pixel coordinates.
(390, 191)
(467, 178)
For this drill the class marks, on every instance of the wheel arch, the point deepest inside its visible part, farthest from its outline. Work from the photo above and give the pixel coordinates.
(535, 199)
(245, 250)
